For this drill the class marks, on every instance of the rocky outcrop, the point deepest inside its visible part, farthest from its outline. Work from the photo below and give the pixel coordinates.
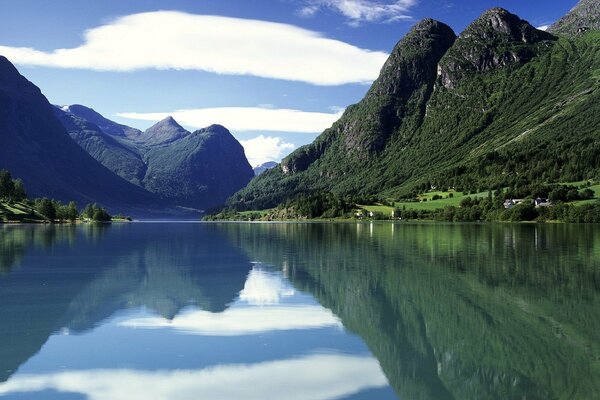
(583, 17)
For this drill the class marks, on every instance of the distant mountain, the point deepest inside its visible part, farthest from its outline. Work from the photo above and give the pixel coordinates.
(259, 169)
(202, 168)
(106, 125)
(108, 150)
(198, 170)
(502, 104)
(35, 147)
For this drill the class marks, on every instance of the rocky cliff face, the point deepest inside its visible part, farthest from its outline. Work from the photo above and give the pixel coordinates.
(495, 40)
(583, 17)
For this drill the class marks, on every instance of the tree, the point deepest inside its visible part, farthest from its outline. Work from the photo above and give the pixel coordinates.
(7, 185)
(19, 193)
(46, 208)
(71, 212)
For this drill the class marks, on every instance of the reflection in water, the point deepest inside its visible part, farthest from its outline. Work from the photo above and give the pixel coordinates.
(242, 320)
(317, 377)
(455, 311)
(138, 291)
(449, 311)
(264, 287)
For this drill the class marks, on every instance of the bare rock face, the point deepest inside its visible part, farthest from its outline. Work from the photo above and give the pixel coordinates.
(583, 17)
(495, 40)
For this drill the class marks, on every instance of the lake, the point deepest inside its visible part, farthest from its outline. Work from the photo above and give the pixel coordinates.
(300, 311)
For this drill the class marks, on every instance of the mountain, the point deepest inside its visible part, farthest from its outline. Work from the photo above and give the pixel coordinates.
(500, 105)
(583, 17)
(35, 147)
(107, 149)
(259, 169)
(163, 132)
(200, 169)
(106, 125)
(192, 169)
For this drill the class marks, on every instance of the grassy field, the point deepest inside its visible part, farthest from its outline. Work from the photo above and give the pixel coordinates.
(261, 212)
(430, 204)
(16, 212)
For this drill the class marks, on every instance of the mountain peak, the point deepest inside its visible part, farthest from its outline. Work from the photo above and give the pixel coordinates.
(583, 17)
(494, 40)
(168, 121)
(165, 131)
(499, 24)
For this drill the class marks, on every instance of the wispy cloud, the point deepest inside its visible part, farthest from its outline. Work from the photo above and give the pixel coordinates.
(358, 11)
(313, 377)
(262, 148)
(543, 27)
(243, 119)
(182, 41)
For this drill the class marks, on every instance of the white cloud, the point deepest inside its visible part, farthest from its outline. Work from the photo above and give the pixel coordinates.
(358, 11)
(181, 41)
(242, 119)
(543, 27)
(239, 321)
(262, 148)
(315, 377)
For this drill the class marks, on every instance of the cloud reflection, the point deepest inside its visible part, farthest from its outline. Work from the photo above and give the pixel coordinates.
(242, 320)
(265, 288)
(315, 377)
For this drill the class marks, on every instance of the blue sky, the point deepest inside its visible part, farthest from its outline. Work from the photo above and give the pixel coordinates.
(275, 72)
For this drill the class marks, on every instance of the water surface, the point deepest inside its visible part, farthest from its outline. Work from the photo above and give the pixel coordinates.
(300, 311)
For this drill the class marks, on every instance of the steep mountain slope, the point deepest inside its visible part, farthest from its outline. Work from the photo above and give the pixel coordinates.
(106, 125)
(35, 147)
(583, 17)
(200, 169)
(122, 160)
(502, 104)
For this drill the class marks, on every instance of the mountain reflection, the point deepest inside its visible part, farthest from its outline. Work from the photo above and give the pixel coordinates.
(258, 311)
(455, 311)
(78, 277)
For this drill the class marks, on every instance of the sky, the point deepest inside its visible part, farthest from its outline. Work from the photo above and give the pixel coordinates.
(276, 73)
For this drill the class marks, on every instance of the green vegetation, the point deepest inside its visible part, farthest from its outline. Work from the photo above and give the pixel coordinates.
(531, 120)
(16, 207)
(455, 311)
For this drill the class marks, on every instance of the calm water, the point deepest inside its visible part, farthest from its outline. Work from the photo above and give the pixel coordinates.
(300, 311)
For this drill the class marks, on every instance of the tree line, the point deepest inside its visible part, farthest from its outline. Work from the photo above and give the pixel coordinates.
(13, 191)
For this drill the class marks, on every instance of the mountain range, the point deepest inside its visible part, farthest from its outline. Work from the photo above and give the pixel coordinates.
(192, 169)
(74, 153)
(501, 104)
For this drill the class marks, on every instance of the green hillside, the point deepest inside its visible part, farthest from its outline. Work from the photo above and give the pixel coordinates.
(503, 105)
